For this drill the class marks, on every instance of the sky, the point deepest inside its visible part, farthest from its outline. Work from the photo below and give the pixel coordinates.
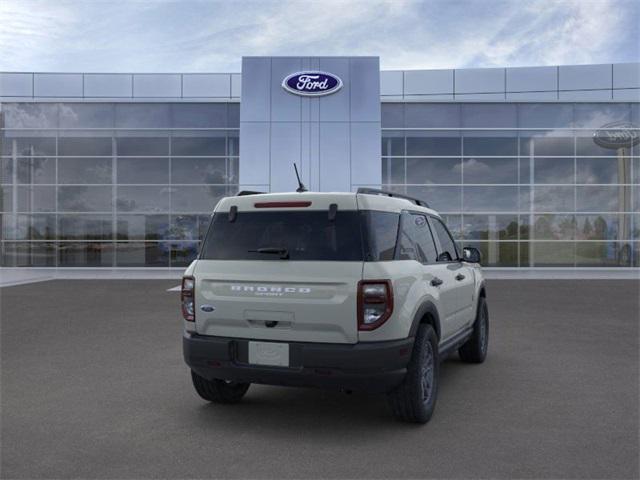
(212, 36)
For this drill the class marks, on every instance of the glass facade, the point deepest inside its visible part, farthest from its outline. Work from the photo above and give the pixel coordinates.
(525, 183)
(112, 184)
(133, 184)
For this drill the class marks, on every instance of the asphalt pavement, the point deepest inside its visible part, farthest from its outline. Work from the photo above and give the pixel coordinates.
(93, 386)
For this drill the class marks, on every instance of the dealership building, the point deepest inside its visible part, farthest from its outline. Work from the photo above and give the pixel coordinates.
(537, 167)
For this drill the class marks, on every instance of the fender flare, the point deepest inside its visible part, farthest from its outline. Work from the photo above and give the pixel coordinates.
(427, 307)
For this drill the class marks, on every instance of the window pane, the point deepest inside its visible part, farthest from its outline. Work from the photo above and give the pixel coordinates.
(6, 170)
(553, 170)
(586, 146)
(142, 115)
(29, 146)
(393, 171)
(551, 254)
(85, 227)
(381, 231)
(143, 199)
(142, 254)
(84, 146)
(490, 170)
(30, 115)
(392, 115)
(196, 199)
(602, 198)
(84, 199)
(604, 227)
(603, 170)
(490, 227)
(37, 254)
(415, 241)
(496, 254)
(490, 146)
(199, 115)
(442, 199)
(36, 170)
(142, 146)
(554, 227)
(198, 146)
(489, 115)
(597, 115)
(36, 199)
(188, 227)
(434, 170)
(553, 199)
(79, 115)
(603, 254)
(93, 254)
(447, 245)
(490, 199)
(392, 145)
(28, 227)
(143, 170)
(427, 115)
(422, 145)
(454, 224)
(84, 170)
(200, 170)
(6, 199)
(142, 227)
(545, 115)
(539, 144)
(182, 253)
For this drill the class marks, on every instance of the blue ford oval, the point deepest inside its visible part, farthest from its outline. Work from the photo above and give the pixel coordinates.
(312, 83)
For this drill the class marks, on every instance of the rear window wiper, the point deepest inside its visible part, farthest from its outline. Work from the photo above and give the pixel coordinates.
(283, 252)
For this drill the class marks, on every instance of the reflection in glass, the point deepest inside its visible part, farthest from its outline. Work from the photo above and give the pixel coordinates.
(490, 199)
(148, 254)
(490, 146)
(30, 115)
(41, 146)
(143, 199)
(36, 170)
(553, 170)
(85, 227)
(142, 115)
(200, 115)
(554, 227)
(84, 170)
(196, 199)
(28, 227)
(86, 115)
(393, 171)
(442, 199)
(6, 170)
(551, 254)
(142, 227)
(36, 199)
(490, 170)
(603, 254)
(198, 145)
(603, 198)
(603, 170)
(496, 254)
(142, 146)
(427, 115)
(36, 254)
(490, 227)
(199, 170)
(489, 115)
(85, 146)
(84, 199)
(553, 199)
(183, 253)
(604, 226)
(143, 170)
(423, 145)
(542, 144)
(392, 145)
(434, 170)
(188, 227)
(93, 254)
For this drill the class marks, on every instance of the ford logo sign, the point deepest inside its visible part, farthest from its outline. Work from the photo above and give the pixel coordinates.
(617, 135)
(312, 83)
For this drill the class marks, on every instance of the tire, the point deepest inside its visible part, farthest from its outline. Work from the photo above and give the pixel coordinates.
(219, 391)
(475, 349)
(415, 398)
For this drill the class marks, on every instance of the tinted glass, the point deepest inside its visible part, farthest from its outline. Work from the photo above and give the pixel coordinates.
(36, 170)
(380, 233)
(490, 170)
(147, 254)
(199, 170)
(143, 199)
(84, 199)
(447, 245)
(78, 115)
(189, 115)
(142, 146)
(415, 241)
(85, 227)
(84, 170)
(304, 235)
(433, 146)
(29, 146)
(553, 170)
(143, 170)
(84, 146)
(198, 146)
(434, 170)
(142, 227)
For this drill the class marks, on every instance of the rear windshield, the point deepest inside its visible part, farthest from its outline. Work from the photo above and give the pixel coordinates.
(293, 235)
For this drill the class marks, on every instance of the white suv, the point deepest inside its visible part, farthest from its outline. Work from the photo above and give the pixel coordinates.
(354, 291)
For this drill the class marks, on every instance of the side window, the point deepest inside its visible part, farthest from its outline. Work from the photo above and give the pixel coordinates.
(380, 230)
(415, 241)
(447, 245)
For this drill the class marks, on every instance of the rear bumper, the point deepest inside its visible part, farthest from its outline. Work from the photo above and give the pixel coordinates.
(370, 367)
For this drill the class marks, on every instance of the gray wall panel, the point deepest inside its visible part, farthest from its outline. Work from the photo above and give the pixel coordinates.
(284, 106)
(256, 89)
(479, 80)
(254, 153)
(57, 85)
(626, 75)
(16, 85)
(335, 169)
(532, 79)
(585, 95)
(532, 96)
(206, 85)
(391, 83)
(335, 107)
(581, 77)
(153, 85)
(366, 167)
(236, 85)
(627, 95)
(365, 91)
(108, 85)
(427, 82)
(285, 150)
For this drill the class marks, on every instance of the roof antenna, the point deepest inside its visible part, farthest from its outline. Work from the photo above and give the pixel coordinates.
(301, 187)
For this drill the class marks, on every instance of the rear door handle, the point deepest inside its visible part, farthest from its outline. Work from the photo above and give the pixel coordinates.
(460, 277)
(436, 282)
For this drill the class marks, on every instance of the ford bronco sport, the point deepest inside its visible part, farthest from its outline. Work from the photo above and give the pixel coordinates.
(355, 291)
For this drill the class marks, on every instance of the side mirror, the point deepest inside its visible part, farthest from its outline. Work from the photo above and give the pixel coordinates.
(471, 255)
(444, 257)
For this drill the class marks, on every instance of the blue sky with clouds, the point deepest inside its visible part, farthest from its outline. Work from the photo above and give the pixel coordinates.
(212, 36)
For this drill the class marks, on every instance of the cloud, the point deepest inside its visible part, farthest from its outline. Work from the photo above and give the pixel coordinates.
(196, 35)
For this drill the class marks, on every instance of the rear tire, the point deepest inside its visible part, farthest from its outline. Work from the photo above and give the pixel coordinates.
(415, 398)
(475, 349)
(219, 391)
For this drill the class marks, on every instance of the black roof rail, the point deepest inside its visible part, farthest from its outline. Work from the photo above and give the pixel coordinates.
(375, 191)
(243, 193)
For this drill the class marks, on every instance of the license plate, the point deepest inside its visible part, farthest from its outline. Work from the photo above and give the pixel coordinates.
(269, 353)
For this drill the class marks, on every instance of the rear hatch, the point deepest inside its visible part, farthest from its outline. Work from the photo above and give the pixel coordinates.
(281, 267)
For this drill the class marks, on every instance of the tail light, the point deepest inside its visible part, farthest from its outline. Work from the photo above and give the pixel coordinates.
(375, 303)
(187, 297)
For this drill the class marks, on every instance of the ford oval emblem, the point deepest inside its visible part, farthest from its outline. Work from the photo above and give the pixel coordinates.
(312, 83)
(617, 135)
(207, 308)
